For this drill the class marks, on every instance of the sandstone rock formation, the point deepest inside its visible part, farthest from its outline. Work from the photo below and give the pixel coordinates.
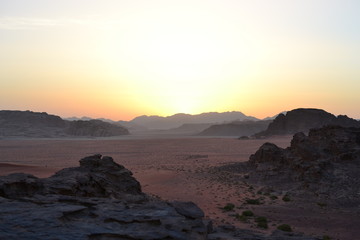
(239, 128)
(34, 124)
(325, 163)
(303, 119)
(98, 200)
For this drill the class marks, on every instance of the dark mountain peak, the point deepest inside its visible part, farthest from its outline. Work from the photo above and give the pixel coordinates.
(273, 117)
(303, 119)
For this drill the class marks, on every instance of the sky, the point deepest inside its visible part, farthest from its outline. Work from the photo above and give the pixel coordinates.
(120, 59)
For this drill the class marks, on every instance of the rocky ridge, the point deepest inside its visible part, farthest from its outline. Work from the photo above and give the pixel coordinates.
(326, 163)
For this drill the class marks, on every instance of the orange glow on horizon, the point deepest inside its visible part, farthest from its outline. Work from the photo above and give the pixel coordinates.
(122, 59)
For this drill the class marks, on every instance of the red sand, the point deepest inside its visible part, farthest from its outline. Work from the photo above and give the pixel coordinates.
(177, 169)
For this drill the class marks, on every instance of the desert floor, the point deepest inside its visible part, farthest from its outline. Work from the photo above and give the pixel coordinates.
(182, 169)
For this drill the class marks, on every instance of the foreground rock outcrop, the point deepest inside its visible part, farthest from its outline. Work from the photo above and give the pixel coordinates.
(98, 200)
(326, 163)
(36, 124)
(304, 119)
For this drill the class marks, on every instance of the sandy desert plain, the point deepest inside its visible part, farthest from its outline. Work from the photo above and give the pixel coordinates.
(184, 168)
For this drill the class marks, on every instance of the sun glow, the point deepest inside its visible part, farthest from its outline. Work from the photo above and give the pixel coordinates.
(179, 64)
(128, 58)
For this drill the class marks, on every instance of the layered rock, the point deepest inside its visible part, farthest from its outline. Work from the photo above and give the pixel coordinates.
(98, 200)
(326, 163)
(304, 119)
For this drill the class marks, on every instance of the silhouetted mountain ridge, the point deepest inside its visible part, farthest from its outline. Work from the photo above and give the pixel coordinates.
(174, 121)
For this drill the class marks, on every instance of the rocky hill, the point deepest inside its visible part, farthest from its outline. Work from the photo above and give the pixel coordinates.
(239, 128)
(325, 164)
(35, 124)
(303, 119)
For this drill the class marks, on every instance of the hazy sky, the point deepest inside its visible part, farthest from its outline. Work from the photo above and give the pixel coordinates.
(119, 59)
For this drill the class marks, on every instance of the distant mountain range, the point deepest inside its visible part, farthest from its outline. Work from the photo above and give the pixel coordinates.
(174, 121)
(33, 124)
(164, 123)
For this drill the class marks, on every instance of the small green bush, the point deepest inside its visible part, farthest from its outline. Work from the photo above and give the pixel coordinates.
(241, 217)
(229, 207)
(273, 197)
(326, 237)
(253, 201)
(261, 222)
(286, 198)
(261, 219)
(248, 213)
(321, 204)
(262, 225)
(285, 228)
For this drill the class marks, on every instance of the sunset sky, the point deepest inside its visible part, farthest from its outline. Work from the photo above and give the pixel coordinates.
(120, 59)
